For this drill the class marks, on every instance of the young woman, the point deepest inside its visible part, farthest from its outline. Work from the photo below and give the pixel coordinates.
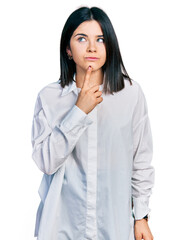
(92, 139)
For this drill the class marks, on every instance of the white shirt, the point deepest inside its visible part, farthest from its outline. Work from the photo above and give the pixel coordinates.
(94, 164)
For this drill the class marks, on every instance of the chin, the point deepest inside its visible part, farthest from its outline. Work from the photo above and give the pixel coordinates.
(94, 68)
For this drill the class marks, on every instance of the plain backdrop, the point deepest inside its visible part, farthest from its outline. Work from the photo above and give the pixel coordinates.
(29, 60)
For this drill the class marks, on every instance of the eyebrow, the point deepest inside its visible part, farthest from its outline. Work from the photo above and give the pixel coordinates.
(82, 34)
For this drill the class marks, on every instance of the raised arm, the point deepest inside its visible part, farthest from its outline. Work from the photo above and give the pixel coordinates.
(52, 146)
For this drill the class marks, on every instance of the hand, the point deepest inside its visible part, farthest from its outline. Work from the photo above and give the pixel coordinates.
(142, 230)
(88, 97)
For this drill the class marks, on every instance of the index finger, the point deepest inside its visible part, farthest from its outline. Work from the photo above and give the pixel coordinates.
(87, 77)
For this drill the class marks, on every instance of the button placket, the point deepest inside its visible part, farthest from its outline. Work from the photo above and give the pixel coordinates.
(91, 223)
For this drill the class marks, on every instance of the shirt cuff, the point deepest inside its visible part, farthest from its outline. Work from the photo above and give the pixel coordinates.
(75, 120)
(141, 208)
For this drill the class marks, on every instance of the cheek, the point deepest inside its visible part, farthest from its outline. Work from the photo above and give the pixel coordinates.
(102, 50)
(77, 57)
(77, 52)
(103, 54)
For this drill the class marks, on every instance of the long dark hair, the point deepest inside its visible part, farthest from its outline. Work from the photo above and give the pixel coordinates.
(113, 68)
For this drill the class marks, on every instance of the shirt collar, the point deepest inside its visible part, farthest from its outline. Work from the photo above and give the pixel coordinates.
(72, 87)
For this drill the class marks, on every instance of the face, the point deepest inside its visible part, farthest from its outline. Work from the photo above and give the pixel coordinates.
(87, 46)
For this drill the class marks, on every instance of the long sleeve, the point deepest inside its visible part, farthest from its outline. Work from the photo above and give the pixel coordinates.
(52, 146)
(143, 172)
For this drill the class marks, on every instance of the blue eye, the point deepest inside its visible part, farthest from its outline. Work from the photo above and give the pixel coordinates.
(102, 39)
(80, 39)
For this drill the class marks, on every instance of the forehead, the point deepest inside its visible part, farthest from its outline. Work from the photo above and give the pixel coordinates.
(91, 27)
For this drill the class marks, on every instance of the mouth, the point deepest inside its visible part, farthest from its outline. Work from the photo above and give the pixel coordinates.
(91, 58)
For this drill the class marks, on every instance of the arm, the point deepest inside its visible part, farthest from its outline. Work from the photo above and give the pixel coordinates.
(143, 171)
(52, 146)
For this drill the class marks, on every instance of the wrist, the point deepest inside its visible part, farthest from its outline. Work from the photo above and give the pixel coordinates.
(146, 217)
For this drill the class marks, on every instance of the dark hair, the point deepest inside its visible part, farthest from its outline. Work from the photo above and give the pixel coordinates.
(113, 68)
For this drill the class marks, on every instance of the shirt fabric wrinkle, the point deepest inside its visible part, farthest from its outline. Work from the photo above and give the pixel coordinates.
(106, 164)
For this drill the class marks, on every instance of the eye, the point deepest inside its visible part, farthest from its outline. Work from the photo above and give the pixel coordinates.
(102, 39)
(81, 39)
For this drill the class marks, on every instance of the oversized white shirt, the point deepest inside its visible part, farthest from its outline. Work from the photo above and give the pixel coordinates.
(95, 165)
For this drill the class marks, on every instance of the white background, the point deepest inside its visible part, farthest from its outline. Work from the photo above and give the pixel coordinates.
(29, 59)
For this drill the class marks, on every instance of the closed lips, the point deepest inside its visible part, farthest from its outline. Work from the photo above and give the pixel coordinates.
(91, 58)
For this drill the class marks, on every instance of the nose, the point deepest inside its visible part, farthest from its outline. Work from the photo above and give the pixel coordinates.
(91, 46)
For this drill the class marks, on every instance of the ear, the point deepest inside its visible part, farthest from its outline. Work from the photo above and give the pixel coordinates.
(68, 50)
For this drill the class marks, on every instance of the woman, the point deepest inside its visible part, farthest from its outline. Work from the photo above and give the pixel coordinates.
(92, 139)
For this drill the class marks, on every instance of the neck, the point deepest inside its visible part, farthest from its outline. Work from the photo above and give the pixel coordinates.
(95, 79)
